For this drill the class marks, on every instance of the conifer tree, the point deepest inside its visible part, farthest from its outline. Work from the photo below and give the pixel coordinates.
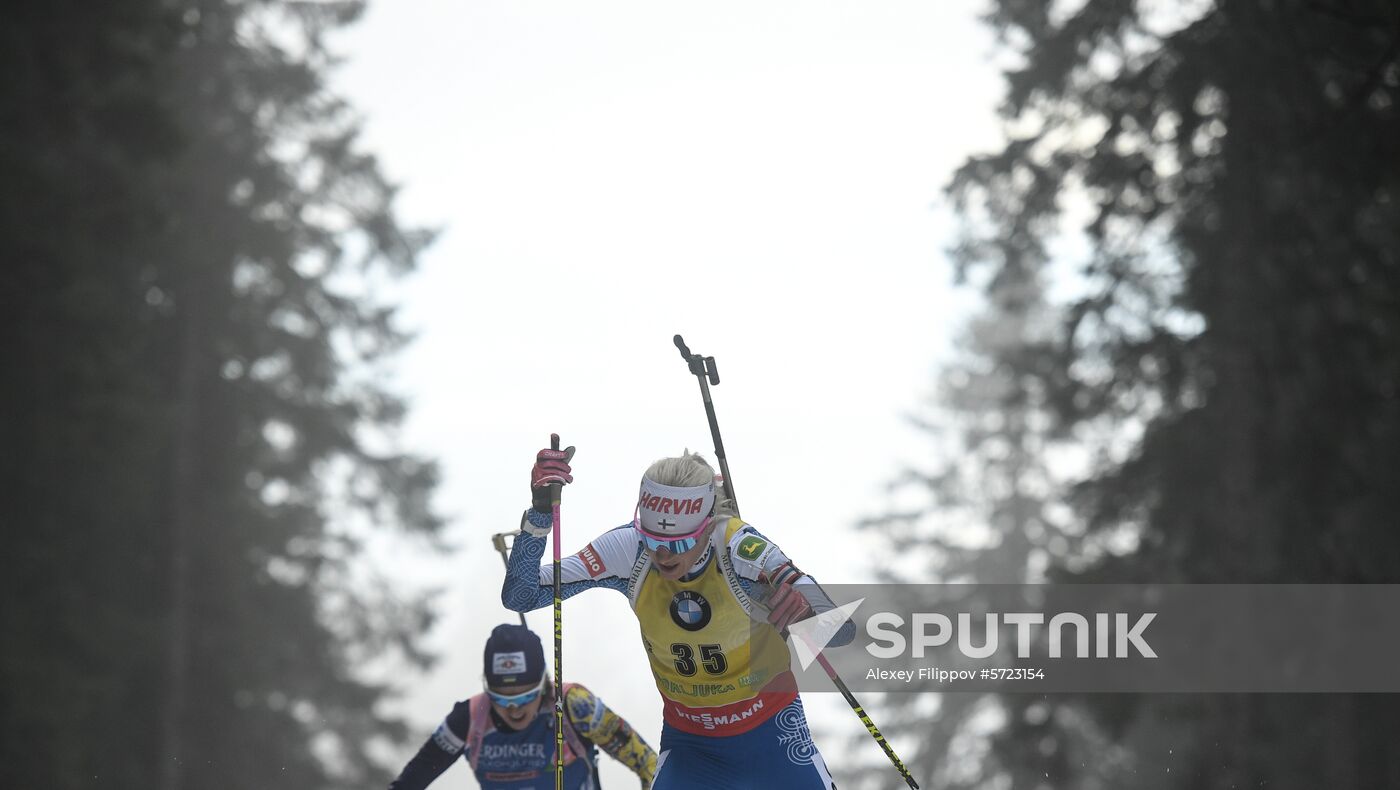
(1236, 324)
(197, 431)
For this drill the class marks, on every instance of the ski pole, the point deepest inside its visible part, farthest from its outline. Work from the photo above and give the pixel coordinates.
(555, 495)
(704, 368)
(499, 541)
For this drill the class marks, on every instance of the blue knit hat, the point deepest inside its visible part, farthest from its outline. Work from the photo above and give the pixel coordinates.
(514, 657)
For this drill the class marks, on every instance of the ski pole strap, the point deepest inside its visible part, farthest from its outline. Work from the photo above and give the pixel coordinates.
(784, 573)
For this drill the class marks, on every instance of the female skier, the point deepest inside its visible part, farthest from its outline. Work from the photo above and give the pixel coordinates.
(508, 745)
(712, 596)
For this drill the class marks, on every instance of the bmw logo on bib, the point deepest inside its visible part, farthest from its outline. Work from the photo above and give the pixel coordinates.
(690, 610)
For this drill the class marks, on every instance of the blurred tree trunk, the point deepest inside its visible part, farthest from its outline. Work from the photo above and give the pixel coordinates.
(185, 481)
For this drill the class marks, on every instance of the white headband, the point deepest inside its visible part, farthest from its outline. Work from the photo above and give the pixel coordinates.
(674, 511)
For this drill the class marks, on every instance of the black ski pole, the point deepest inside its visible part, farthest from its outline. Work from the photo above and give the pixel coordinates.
(706, 373)
(704, 368)
(499, 541)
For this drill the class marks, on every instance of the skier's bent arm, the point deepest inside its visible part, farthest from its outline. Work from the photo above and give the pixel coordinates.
(529, 586)
(436, 755)
(759, 561)
(821, 603)
(594, 721)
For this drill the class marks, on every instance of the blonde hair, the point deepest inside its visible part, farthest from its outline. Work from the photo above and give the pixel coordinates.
(686, 470)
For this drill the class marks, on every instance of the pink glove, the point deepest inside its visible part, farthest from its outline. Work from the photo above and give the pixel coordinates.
(551, 467)
(786, 606)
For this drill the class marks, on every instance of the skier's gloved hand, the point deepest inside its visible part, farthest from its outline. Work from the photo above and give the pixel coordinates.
(787, 605)
(551, 467)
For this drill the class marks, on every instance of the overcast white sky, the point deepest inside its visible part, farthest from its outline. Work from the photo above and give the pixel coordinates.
(762, 177)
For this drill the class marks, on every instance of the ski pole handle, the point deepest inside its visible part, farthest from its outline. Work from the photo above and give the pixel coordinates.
(700, 366)
(697, 365)
(556, 490)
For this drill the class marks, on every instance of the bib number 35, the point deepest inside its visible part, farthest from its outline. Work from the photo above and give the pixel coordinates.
(711, 657)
